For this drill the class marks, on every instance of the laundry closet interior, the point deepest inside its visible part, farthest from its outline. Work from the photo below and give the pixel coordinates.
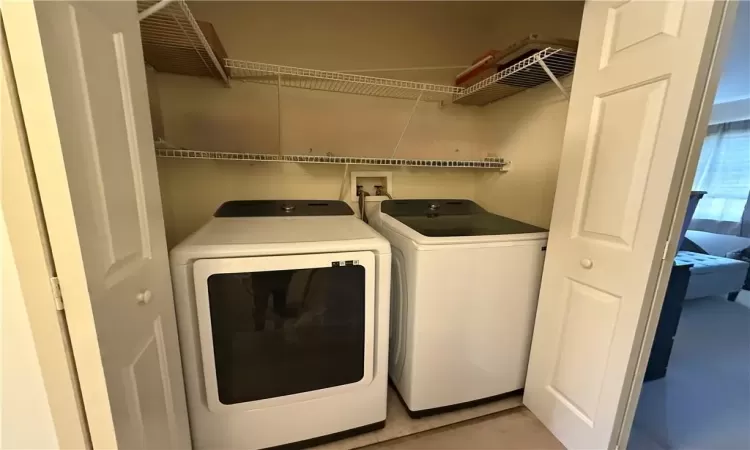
(305, 101)
(277, 224)
(318, 101)
(195, 174)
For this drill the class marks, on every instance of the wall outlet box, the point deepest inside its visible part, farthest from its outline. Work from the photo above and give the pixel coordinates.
(369, 181)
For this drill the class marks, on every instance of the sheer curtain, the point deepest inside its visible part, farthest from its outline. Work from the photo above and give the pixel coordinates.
(724, 173)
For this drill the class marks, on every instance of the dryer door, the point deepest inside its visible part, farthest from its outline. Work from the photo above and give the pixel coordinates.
(282, 329)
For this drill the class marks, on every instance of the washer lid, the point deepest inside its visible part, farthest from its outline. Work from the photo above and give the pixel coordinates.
(450, 218)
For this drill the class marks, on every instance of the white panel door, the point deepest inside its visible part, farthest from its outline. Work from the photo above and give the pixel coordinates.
(629, 127)
(101, 126)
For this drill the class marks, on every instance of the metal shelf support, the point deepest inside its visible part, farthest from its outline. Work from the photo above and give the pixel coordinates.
(553, 77)
(169, 29)
(156, 7)
(406, 127)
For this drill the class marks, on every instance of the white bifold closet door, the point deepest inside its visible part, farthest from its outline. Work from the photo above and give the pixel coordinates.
(630, 122)
(82, 85)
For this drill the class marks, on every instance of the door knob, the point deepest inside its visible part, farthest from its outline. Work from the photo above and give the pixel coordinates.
(144, 297)
(587, 263)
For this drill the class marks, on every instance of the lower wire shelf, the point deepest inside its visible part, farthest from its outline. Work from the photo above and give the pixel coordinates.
(486, 163)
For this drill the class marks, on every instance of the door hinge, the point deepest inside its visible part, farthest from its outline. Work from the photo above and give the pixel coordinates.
(666, 248)
(57, 293)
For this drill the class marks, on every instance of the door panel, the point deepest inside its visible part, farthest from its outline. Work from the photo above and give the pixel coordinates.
(584, 342)
(616, 162)
(96, 167)
(634, 22)
(630, 123)
(116, 186)
(148, 399)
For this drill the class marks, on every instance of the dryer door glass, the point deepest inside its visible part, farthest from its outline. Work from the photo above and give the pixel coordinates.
(284, 332)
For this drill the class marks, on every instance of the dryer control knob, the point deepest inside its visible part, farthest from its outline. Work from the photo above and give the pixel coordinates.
(287, 207)
(587, 263)
(434, 206)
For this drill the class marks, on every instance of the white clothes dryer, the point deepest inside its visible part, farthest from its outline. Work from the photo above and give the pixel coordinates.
(465, 285)
(283, 309)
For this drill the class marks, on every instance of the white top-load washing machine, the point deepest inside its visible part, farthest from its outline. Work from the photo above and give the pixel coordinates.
(465, 285)
(282, 309)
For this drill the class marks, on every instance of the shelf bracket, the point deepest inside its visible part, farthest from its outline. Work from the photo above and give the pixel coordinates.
(552, 76)
(204, 42)
(156, 7)
(406, 127)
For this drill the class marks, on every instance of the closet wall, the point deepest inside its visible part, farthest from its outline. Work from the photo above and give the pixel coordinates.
(376, 39)
(527, 129)
(27, 417)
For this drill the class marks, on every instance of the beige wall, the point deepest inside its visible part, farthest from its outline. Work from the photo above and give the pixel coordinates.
(26, 421)
(200, 113)
(527, 129)
(40, 400)
(193, 189)
(375, 38)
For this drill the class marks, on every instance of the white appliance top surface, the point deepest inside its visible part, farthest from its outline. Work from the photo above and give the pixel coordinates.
(248, 236)
(267, 230)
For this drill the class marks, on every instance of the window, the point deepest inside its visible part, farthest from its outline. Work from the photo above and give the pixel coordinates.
(724, 172)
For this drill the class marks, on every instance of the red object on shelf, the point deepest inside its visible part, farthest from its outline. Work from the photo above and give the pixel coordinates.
(480, 69)
(488, 64)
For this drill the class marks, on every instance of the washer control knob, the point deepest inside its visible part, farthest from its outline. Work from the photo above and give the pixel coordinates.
(287, 207)
(587, 263)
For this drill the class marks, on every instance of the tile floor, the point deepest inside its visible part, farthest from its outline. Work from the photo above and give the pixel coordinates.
(399, 424)
(513, 429)
(704, 401)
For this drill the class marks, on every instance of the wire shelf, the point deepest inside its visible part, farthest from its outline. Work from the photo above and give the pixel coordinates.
(174, 42)
(163, 151)
(296, 77)
(527, 73)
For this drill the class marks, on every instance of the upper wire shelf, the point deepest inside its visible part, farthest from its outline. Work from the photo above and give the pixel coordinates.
(323, 80)
(541, 67)
(173, 41)
(547, 64)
